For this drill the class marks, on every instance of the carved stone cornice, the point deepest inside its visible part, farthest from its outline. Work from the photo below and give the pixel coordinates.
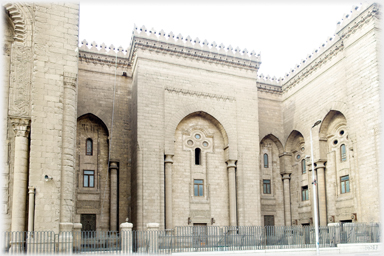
(312, 66)
(270, 88)
(184, 48)
(21, 126)
(357, 21)
(353, 21)
(199, 94)
(103, 59)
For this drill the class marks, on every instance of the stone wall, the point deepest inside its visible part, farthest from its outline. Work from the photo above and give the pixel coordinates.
(343, 78)
(103, 89)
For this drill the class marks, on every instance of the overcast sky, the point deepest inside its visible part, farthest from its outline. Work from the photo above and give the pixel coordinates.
(283, 32)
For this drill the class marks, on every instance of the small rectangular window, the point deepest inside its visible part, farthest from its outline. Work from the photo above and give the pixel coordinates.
(344, 182)
(343, 152)
(198, 187)
(265, 160)
(267, 186)
(89, 179)
(304, 193)
(303, 167)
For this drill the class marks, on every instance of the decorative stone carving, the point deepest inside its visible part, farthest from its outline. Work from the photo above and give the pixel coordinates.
(70, 80)
(199, 94)
(20, 81)
(180, 48)
(21, 126)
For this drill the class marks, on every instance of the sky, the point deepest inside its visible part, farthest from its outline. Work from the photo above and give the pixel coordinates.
(283, 32)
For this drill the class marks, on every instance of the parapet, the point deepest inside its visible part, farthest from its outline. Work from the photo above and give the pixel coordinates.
(269, 84)
(332, 45)
(177, 44)
(102, 48)
(103, 55)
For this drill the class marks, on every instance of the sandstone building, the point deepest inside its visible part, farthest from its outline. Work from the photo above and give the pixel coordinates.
(180, 132)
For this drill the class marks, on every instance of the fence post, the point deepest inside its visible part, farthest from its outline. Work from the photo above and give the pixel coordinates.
(77, 236)
(126, 237)
(153, 229)
(66, 238)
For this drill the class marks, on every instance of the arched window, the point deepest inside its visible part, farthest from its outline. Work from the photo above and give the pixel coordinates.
(343, 153)
(197, 156)
(89, 147)
(303, 166)
(265, 160)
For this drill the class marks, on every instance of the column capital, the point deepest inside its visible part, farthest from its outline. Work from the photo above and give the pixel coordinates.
(286, 176)
(168, 159)
(113, 165)
(320, 164)
(21, 126)
(31, 190)
(231, 163)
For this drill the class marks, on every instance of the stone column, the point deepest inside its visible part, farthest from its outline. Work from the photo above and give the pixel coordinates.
(113, 167)
(21, 128)
(126, 237)
(31, 208)
(232, 192)
(287, 199)
(320, 168)
(168, 192)
(68, 151)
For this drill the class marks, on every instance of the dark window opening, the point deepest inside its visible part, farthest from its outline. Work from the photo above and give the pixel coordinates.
(304, 193)
(89, 147)
(265, 160)
(88, 222)
(197, 156)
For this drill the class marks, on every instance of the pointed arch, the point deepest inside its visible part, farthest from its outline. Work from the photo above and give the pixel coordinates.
(275, 140)
(93, 117)
(294, 138)
(226, 128)
(328, 125)
(21, 19)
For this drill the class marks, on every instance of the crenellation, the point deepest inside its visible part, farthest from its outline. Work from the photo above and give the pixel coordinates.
(332, 41)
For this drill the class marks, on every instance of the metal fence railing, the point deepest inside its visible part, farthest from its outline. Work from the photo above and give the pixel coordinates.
(189, 239)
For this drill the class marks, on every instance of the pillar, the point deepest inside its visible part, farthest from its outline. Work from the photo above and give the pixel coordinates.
(31, 208)
(126, 237)
(232, 192)
(77, 237)
(21, 127)
(113, 208)
(152, 237)
(168, 192)
(320, 168)
(287, 199)
(68, 152)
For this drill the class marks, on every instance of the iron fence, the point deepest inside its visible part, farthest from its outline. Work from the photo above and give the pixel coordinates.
(189, 239)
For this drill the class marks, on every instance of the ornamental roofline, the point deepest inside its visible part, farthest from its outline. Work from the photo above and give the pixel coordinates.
(350, 21)
(172, 44)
